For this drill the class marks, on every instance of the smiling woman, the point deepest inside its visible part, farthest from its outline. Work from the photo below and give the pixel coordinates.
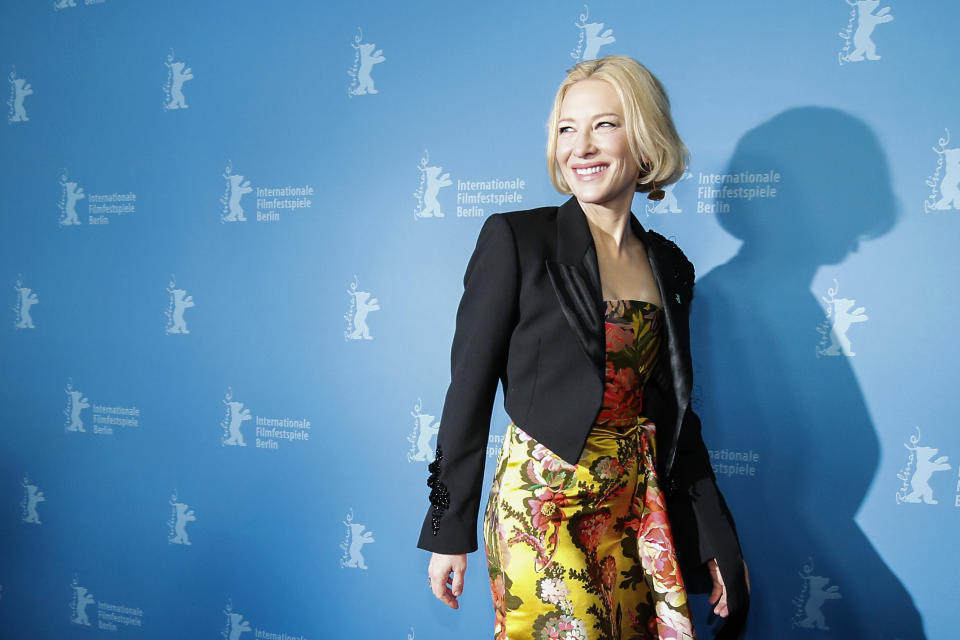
(631, 92)
(603, 489)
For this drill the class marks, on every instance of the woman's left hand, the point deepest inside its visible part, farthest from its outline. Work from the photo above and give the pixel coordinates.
(718, 596)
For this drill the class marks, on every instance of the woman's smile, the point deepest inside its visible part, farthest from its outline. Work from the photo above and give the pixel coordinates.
(589, 172)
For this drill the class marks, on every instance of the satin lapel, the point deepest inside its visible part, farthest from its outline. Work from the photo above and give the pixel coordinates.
(662, 267)
(575, 276)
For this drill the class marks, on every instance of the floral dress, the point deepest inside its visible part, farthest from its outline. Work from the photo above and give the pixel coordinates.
(578, 552)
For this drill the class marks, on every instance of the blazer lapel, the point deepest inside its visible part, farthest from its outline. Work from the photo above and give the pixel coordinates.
(575, 276)
(662, 266)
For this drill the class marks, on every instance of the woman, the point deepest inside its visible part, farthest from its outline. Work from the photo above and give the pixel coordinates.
(582, 315)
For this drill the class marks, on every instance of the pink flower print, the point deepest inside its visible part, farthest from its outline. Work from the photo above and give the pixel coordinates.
(672, 624)
(592, 529)
(547, 508)
(608, 468)
(550, 460)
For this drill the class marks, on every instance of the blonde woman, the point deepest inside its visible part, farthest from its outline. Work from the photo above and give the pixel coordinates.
(603, 488)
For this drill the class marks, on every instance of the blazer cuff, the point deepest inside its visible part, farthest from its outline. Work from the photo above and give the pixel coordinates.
(452, 537)
(718, 539)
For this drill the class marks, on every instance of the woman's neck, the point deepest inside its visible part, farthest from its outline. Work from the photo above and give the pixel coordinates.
(610, 226)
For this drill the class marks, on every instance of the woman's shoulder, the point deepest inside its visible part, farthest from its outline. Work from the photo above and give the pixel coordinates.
(531, 218)
(666, 247)
(527, 225)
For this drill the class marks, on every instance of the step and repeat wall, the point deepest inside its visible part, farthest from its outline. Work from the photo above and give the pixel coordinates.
(234, 237)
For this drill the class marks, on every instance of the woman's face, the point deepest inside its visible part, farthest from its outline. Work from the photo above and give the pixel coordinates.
(592, 148)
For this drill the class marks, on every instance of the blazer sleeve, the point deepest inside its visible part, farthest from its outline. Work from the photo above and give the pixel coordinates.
(716, 531)
(485, 320)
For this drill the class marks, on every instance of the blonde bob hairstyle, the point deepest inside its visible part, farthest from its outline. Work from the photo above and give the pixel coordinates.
(653, 140)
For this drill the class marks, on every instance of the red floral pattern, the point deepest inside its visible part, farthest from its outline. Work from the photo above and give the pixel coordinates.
(584, 550)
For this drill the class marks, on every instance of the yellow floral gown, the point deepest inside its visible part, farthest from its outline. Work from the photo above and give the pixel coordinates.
(584, 552)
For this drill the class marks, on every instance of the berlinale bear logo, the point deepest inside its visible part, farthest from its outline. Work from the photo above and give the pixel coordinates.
(945, 182)
(181, 515)
(431, 181)
(814, 592)
(178, 304)
(592, 37)
(236, 187)
(840, 316)
(361, 304)
(177, 74)
(915, 476)
(19, 90)
(353, 544)
(863, 47)
(70, 193)
(75, 404)
(235, 417)
(81, 599)
(26, 298)
(421, 439)
(32, 496)
(365, 56)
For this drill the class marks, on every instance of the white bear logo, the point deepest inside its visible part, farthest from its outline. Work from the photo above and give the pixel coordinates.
(867, 21)
(950, 185)
(365, 56)
(431, 181)
(75, 404)
(70, 194)
(177, 74)
(358, 538)
(424, 430)
(20, 89)
(361, 304)
(179, 303)
(817, 594)
(926, 467)
(236, 416)
(32, 497)
(182, 515)
(669, 202)
(237, 187)
(840, 318)
(236, 625)
(26, 299)
(82, 598)
(592, 37)
(64, 4)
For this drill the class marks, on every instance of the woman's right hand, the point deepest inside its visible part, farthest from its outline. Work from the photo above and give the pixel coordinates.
(441, 566)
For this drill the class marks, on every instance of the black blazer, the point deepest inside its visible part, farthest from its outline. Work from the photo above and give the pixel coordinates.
(531, 317)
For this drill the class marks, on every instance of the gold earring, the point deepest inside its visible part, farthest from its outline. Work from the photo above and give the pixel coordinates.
(656, 193)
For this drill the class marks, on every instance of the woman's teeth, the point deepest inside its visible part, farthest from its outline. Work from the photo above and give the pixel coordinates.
(586, 172)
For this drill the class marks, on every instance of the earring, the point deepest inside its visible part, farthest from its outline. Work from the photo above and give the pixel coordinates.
(656, 193)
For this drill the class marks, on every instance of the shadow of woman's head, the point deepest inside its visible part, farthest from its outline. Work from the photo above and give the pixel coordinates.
(834, 189)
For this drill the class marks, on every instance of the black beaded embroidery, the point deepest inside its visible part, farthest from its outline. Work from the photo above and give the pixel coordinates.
(685, 275)
(439, 496)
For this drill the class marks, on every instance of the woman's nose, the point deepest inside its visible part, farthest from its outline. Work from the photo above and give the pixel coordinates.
(583, 146)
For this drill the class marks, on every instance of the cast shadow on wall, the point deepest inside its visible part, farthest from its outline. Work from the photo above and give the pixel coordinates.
(771, 385)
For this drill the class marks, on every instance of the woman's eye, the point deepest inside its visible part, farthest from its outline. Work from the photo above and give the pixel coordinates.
(566, 129)
(606, 123)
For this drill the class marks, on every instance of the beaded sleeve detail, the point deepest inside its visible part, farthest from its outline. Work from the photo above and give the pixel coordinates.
(439, 496)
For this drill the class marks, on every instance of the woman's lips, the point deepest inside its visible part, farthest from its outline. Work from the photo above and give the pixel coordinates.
(590, 172)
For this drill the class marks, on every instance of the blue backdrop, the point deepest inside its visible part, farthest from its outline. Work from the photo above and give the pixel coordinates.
(233, 242)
